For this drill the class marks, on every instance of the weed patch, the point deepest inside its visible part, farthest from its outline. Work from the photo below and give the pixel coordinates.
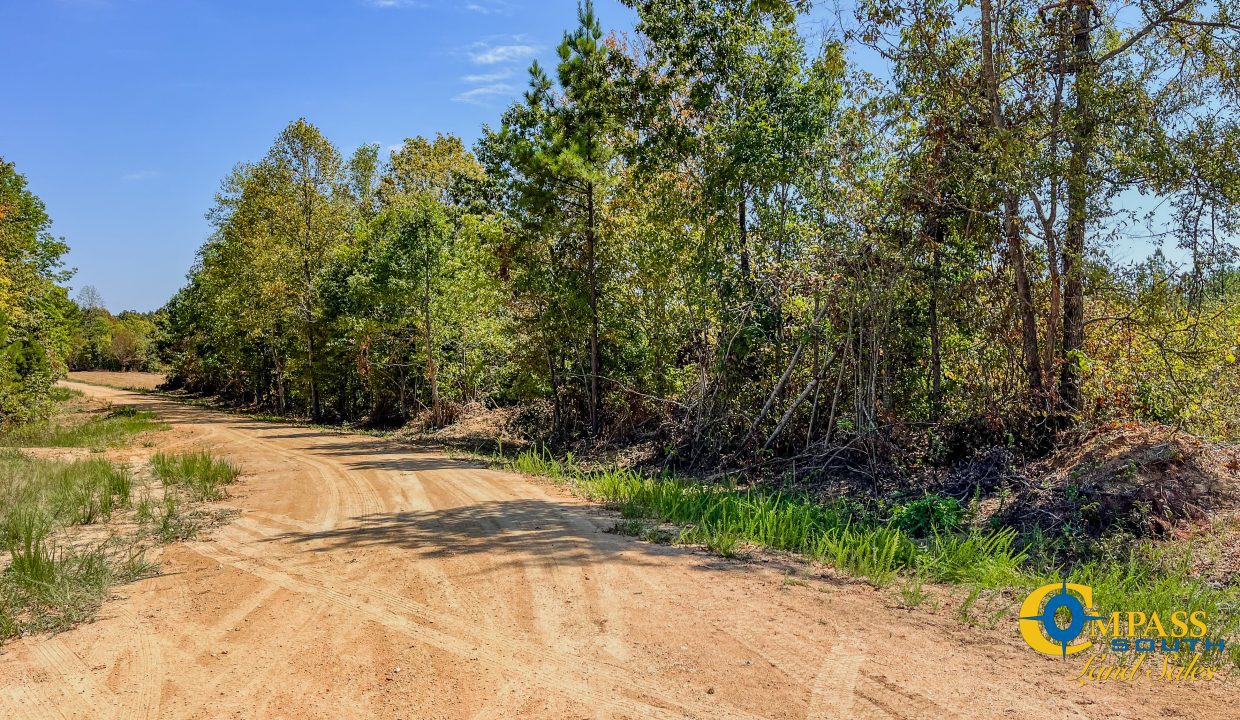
(926, 539)
(55, 494)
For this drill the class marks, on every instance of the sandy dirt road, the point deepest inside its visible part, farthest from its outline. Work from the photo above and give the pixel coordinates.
(362, 580)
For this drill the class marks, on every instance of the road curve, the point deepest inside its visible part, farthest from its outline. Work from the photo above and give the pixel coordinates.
(364, 580)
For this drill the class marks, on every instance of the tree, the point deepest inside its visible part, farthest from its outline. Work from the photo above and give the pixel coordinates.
(557, 154)
(33, 304)
(307, 216)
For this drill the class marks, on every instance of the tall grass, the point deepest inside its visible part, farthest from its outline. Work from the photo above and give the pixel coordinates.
(200, 474)
(44, 587)
(112, 429)
(726, 518)
(57, 494)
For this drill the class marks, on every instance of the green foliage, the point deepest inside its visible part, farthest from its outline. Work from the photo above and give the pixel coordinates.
(100, 341)
(928, 515)
(33, 306)
(722, 237)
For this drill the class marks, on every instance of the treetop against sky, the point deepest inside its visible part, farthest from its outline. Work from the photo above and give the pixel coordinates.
(125, 114)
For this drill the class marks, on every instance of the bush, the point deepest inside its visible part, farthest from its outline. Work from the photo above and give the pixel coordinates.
(928, 515)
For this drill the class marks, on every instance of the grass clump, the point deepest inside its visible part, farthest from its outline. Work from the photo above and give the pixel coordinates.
(45, 589)
(111, 429)
(725, 518)
(875, 554)
(201, 475)
(985, 559)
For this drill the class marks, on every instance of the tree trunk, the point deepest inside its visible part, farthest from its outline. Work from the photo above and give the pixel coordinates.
(595, 400)
(316, 409)
(1081, 140)
(1011, 214)
(1024, 295)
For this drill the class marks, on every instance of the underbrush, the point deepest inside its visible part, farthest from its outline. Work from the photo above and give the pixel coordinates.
(927, 538)
(111, 429)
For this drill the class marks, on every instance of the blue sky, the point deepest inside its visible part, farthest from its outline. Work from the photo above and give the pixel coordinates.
(125, 114)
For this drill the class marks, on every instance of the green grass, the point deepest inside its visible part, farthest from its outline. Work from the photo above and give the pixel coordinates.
(926, 539)
(201, 475)
(44, 587)
(723, 519)
(112, 429)
(55, 494)
(1158, 579)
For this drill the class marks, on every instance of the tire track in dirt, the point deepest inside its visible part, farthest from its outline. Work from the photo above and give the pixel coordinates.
(22, 703)
(143, 703)
(834, 689)
(547, 668)
(586, 577)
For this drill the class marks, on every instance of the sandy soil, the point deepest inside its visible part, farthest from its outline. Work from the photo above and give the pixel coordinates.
(122, 380)
(364, 581)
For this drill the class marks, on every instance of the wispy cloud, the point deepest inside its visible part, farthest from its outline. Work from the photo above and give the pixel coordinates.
(483, 54)
(486, 93)
(391, 4)
(140, 175)
(485, 78)
(490, 7)
(500, 55)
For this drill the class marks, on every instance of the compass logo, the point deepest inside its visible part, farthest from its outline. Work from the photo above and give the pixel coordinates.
(1054, 617)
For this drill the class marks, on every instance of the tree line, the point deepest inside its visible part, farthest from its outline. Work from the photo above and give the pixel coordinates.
(722, 235)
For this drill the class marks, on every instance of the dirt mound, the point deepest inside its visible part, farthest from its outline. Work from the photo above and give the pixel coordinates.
(1140, 478)
(474, 426)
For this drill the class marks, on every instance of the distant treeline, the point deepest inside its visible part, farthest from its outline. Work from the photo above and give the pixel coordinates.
(99, 340)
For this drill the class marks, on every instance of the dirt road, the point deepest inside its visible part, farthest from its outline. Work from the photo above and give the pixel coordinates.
(361, 580)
